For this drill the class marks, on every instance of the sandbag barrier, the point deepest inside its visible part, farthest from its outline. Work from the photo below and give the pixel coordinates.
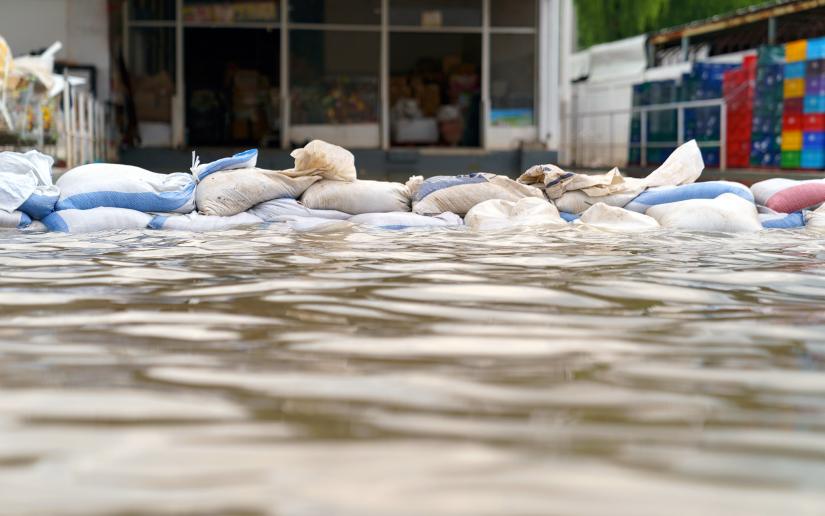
(322, 193)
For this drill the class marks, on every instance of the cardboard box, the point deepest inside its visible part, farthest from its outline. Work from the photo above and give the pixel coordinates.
(153, 97)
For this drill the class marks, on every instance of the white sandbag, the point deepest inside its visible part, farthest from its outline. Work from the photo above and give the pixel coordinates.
(231, 192)
(14, 220)
(358, 197)
(315, 224)
(124, 186)
(727, 213)
(198, 222)
(501, 214)
(402, 220)
(613, 218)
(815, 220)
(26, 183)
(36, 227)
(578, 202)
(96, 219)
(671, 194)
(460, 194)
(325, 160)
(245, 159)
(276, 209)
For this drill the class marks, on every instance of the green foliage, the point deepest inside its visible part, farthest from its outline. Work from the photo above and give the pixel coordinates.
(608, 20)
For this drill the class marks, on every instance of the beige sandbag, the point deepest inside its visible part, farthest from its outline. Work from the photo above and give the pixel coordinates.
(459, 199)
(500, 214)
(612, 218)
(357, 197)
(728, 213)
(578, 202)
(325, 160)
(230, 192)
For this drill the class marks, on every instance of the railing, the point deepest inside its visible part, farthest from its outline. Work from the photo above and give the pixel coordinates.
(84, 135)
(573, 141)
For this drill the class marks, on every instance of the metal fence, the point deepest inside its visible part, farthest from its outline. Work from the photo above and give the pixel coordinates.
(584, 143)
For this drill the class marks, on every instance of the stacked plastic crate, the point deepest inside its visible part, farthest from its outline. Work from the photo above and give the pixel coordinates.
(793, 98)
(705, 82)
(661, 125)
(739, 90)
(766, 134)
(813, 118)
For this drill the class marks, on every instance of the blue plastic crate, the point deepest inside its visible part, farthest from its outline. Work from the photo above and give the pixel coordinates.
(816, 48)
(814, 104)
(813, 159)
(710, 155)
(813, 140)
(795, 70)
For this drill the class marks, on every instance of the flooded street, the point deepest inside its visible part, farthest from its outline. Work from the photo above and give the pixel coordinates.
(357, 372)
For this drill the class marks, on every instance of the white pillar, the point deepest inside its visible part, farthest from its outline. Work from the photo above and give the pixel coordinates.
(549, 29)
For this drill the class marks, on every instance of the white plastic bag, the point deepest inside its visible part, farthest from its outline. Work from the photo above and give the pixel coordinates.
(500, 214)
(96, 219)
(277, 209)
(325, 160)
(460, 198)
(402, 220)
(198, 222)
(728, 213)
(613, 218)
(26, 183)
(231, 192)
(357, 197)
(124, 186)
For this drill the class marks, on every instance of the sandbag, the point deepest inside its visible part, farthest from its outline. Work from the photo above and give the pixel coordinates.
(96, 219)
(683, 166)
(787, 195)
(670, 194)
(277, 209)
(231, 192)
(602, 216)
(402, 220)
(501, 214)
(245, 159)
(14, 220)
(578, 202)
(325, 160)
(460, 194)
(358, 197)
(124, 186)
(198, 222)
(26, 183)
(727, 213)
(782, 220)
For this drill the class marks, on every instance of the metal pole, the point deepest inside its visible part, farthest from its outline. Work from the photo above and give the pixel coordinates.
(485, 74)
(180, 80)
(67, 125)
(723, 137)
(643, 157)
(611, 146)
(285, 107)
(385, 75)
(772, 31)
(680, 125)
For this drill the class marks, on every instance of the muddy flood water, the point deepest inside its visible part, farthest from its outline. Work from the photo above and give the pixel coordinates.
(357, 372)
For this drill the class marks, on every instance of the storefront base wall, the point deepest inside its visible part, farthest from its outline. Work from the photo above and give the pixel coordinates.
(392, 165)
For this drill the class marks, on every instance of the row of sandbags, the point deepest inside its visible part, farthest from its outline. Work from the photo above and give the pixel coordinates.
(323, 187)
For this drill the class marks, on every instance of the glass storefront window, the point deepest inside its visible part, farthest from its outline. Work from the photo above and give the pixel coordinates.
(334, 77)
(232, 86)
(513, 13)
(512, 79)
(360, 12)
(436, 13)
(151, 73)
(223, 11)
(154, 10)
(435, 89)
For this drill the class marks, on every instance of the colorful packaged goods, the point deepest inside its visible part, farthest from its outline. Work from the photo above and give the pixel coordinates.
(813, 117)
